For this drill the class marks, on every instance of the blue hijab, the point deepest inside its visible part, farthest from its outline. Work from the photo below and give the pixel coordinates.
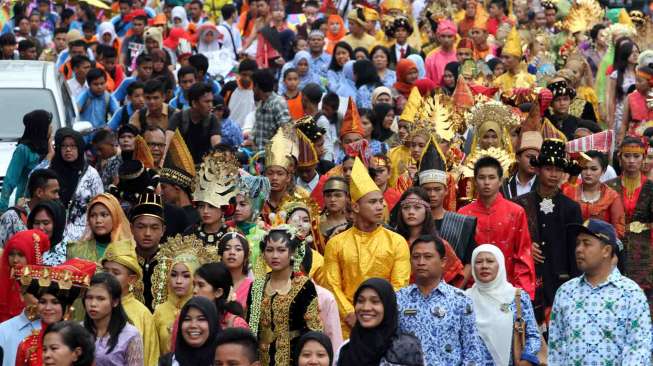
(347, 87)
(310, 77)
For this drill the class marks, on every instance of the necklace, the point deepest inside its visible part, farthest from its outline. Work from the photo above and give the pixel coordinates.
(589, 198)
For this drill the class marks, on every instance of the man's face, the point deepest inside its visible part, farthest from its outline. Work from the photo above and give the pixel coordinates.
(351, 138)
(524, 161)
(316, 44)
(127, 141)
(436, 192)
(291, 81)
(370, 207)
(495, 11)
(463, 54)
(232, 354)
(77, 51)
(306, 173)
(28, 54)
(243, 210)
(540, 19)
(109, 63)
(470, 9)
(82, 70)
(204, 105)
(561, 104)
(279, 178)
(446, 40)
(137, 99)
(138, 27)
(311, 13)
(154, 101)
(60, 41)
(262, 9)
(319, 146)
(151, 44)
(34, 23)
(145, 70)
(147, 231)
(187, 81)
(124, 9)
(550, 15)
(590, 252)
(195, 11)
(487, 182)
(98, 86)
(169, 193)
(106, 148)
(550, 176)
(156, 141)
(246, 78)
(8, 49)
(509, 61)
(478, 36)
(425, 262)
(382, 175)
(50, 191)
(401, 34)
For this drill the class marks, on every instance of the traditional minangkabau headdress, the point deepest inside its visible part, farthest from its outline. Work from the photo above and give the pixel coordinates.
(432, 165)
(351, 122)
(216, 179)
(582, 16)
(189, 250)
(505, 158)
(282, 150)
(178, 166)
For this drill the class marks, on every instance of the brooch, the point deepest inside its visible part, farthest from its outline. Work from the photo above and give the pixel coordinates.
(439, 312)
(505, 308)
(637, 227)
(547, 206)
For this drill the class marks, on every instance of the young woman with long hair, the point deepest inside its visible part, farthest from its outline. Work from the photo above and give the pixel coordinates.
(234, 250)
(620, 81)
(213, 281)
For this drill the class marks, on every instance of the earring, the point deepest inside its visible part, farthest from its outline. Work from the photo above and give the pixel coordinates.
(131, 288)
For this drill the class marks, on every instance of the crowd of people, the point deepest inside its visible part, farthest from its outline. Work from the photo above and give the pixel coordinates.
(335, 183)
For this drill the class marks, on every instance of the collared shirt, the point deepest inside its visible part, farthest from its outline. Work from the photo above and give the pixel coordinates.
(117, 118)
(444, 322)
(270, 115)
(607, 324)
(320, 64)
(523, 188)
(12, 332)
(96, 108)
(309, 186)
(398, 49)
(76, 88)
(159, 121)
(10, 224)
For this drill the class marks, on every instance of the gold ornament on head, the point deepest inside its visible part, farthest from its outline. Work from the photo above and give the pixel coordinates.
(583, 15)
(513, 45)
(436, 115)
(282, 150)
(505, 159)
(216, 179)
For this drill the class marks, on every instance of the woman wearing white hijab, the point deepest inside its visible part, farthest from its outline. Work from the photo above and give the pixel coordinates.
(207, 41)
(496, 312)
(179, 17)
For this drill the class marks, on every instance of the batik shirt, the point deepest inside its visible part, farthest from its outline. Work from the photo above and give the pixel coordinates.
(320, 64)
(608, 324)
(444, 322)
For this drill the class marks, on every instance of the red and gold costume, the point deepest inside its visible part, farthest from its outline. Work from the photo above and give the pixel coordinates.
(608, 207)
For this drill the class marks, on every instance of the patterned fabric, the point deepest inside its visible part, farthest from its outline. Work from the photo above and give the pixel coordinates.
(10, 224)
(128, 351)
(608, 324)
(109, 170)
(389, 78)
(270, 115)
(533, 340)
(231, 133)
(56, 255)
(444, 322)
(320, 64)
(364, 96)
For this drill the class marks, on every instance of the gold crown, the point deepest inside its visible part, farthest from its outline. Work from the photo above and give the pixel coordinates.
(583, 15)
(189, 250)
(436, 116)
(492, 111)
(504, 157)
(216, 179)
(283, 149)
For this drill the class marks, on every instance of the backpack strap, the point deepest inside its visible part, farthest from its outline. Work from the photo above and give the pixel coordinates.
(142, 118)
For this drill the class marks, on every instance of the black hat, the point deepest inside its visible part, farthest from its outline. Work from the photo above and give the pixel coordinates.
(552, 153)
(399, 22)
(432, 165)
(589, 125)
(128, 128)
(149, 204)
(561, 88)
(134, 180)
(548, 4)
(309, 127)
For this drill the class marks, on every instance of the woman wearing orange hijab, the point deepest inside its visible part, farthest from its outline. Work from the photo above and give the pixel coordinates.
(25, 248)
(335, 31)
(407, 74)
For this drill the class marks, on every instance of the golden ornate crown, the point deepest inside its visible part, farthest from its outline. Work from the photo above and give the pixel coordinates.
(187, 249)
(282, 150)
(492, 111)
(583, 15)
(216, 179)
(504, 157)
(436, 115)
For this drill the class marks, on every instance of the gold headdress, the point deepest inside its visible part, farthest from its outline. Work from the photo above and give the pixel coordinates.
(216, 180)
(435, 115)
(496, 116)
(505, 158)
(360, 182)
(582, 16)
(282, 150)
(142, 153)
(188, 250)
(123, 252)
(292, 203)
(512, 45)
(412, 106)
(178, 167)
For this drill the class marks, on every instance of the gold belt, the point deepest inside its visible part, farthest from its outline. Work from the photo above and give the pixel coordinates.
(638, 227)
(268, 336)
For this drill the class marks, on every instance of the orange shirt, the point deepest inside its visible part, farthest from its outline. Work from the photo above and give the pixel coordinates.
(295, 106)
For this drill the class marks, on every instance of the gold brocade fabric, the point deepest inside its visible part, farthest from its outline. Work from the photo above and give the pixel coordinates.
(164, 319)
(353, 256)
(400, 159)
(509, 81)
(143, 320)
(281, 315)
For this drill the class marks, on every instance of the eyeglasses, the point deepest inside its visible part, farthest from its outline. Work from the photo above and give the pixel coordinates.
(155, 145)
(68, 147)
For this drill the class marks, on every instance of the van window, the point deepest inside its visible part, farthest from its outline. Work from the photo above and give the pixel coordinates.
(69, 109)
(17, 102)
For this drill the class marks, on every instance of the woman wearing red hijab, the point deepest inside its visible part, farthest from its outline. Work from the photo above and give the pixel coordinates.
(407, 74)
(25, 247)
(336, 31)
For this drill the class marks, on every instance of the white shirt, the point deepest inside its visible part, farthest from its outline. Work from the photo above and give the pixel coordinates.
(231, 41)
(523, 188)
(76, 88)
(608, 174)
(310, 186)
(241, 103)
(398, 49)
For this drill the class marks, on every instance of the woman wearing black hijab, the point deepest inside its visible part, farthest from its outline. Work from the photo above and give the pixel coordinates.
(314, 348)
(196, 335)
(450, 78)
(79, 182)
(383, 115)
(374, 340)
(50, 217)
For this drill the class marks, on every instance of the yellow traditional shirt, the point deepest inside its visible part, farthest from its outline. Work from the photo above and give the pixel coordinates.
(400, 159)
(508, 81)
(367, 41)
(143, 320)
(164, 319)
(353, 256)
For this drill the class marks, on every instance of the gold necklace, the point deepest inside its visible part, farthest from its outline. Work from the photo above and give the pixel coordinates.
(630, 184)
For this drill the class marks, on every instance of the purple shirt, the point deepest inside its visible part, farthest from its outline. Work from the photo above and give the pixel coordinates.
(128, 350)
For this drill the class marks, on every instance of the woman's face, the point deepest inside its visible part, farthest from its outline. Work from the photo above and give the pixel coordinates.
(98, 302)
(602, 38)
(413, 214)
(209, 214)
(69, 150)
(335, 201)
(208, 37)
(301, 45)
(387, 121)
(158, 66)
(50, 309)
(177, 22)
(417, 145)
(591, 174)
(631, 162)
(234, 254)
(302, 221)
(181, 280)
(57, 353)
(489, 139)
(486, 267)
(367, 127)
(313, 354)
(648, 163)
(384, 98)
(369, 308)
(16, 257)
(202, 288)
(243, 209)
(342, 56)
(302, 67)
(448, 79)
(43, 221)
(195, 328)
(334, 26)
(100, 220)
(499, 70)
(411, 76)
(277, 255)
(380, 60)
(632, 59)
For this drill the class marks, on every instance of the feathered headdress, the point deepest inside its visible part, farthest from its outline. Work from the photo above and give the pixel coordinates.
(216, 180)
(582, 16)
(505, 159)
